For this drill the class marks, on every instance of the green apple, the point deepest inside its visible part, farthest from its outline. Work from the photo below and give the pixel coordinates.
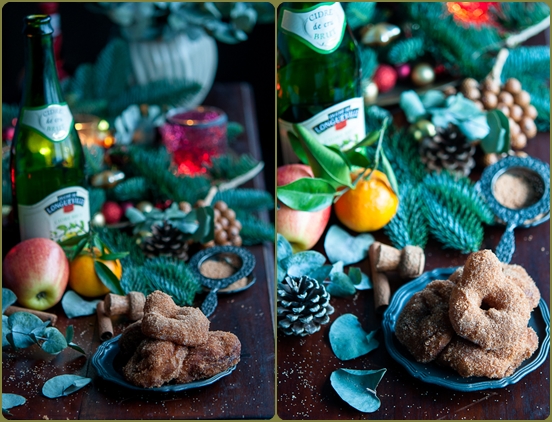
(37, 271)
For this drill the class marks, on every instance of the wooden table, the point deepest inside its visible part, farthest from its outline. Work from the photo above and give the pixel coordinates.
(305, 364)
(248, 392)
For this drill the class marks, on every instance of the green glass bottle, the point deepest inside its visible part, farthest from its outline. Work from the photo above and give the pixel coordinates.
(319, 75)
(47, 159)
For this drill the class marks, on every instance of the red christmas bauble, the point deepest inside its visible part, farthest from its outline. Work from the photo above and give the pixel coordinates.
(385, 77)
(112, 212)
(403, 71)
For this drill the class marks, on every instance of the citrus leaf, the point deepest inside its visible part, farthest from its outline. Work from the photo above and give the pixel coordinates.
(75, 306)
(307, 194)
(63, 385)
(113, 256)
(298, 148)
(78, 249)
(368, 140)
(8, 299)
(358, 159)
(357, 387)
(55, 341)
(498, 139)
(341, 246)
(11, 400)
(349, 340)
(325, 163)
(388, 170)
(72, 241)
(107, 277)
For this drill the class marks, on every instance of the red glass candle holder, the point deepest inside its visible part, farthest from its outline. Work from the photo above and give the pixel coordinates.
(194, 137)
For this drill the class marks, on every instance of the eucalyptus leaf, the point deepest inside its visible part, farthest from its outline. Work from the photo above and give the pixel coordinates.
(498, 139)
(11, 400)
(325, 163)
(341, 246)
(75, 306)
(8, 299)
(69, 332)
(302, 263)
(205, 231)
(134, 215)
(340, 285)
(307, 194)
(365, 283)
(107, 277)
(433, 98)
(355, 275)
(357, 387)
(322, 273)
(283, 248)
(349, 340)
(412, 106)
(21, 324)
(55, 341)
(475, 128)
(5, 331)
(63, 385)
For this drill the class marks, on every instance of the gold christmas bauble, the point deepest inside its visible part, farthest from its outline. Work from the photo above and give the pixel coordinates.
(422, 129)
(379, 35)
(145, 206)
(107, 179)
(369, 92)
(422, 74)
(98, 220)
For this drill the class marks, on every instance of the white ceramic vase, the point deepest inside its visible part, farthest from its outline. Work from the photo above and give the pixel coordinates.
(180, 58)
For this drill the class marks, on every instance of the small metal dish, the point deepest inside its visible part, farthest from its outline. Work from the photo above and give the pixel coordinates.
(534, 211)
(240, 258)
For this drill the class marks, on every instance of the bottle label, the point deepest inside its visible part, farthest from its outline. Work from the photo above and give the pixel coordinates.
(61, 215)
(320, 27)
(53, 121)
(341, 125)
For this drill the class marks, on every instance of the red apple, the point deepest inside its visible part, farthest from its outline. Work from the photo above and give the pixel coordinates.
(37, 271)
(302, 229)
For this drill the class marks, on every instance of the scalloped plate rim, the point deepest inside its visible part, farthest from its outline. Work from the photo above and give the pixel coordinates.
(103, 363)
(426, 372)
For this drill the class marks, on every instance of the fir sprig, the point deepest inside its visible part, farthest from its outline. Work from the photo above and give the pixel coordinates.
(227, 167)
(244, 198)
(133, 189)
(406, 50)
(254, 230)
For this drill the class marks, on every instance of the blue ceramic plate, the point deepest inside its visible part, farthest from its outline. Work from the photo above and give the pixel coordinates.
(104, 362)
(446, 377)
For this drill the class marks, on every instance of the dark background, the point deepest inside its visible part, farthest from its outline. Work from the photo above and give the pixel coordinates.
(85, 33)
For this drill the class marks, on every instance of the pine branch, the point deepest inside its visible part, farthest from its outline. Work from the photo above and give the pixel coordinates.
(133, 189)
(518, 15)
(97, 198)
(246, 199)
(94, 156)
(455, 227)
(359, 14)
(227, 167)
(173, 277)
(451, 190)
(406, 50)
(368, 61)
(254, 231)
(118, 241)
(133, 280)
(9, 112)
(409, 226)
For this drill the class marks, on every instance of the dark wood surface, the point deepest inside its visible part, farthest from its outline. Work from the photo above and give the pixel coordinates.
(305, 364)
(248, 392)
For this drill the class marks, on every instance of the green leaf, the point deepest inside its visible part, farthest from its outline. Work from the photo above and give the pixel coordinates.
(134, 215)
(63, 385)
(368, 140)
(55, 341)
(341, 246)
(301, 263)
(73, 241)
(11, 400)
(298, 148)
(98, 243)
(388, 170)
(412, 106)
(76, 347)
(349, 340)
(340, 285)
(283, 248)
(107, 277)
(322, 273)
(357, 387)
(69, 332)
(358, 159)
(75, 306)
(325, 163)
(355, 275)
(21, 325)
(78, 249)
(8, 299)
(307, 194)
(206, 230)
(498, 139)
(113, 256)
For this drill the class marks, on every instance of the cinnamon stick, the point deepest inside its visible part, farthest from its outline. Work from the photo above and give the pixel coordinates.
(105, 326)
(44, 316)
(382, 290)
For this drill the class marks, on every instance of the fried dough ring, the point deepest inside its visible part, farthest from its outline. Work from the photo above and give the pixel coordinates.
(130, 339)
(155, 363)
(469, 360)
(423, 326)
(220, 352)
(484, 284)
(164, 320)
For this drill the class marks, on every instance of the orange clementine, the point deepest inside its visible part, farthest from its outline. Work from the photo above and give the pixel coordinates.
(369, 206)
(83, 278)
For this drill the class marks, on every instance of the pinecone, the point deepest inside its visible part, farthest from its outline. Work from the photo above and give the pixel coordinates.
(448, 149)
(303, 305)
(166, 240)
